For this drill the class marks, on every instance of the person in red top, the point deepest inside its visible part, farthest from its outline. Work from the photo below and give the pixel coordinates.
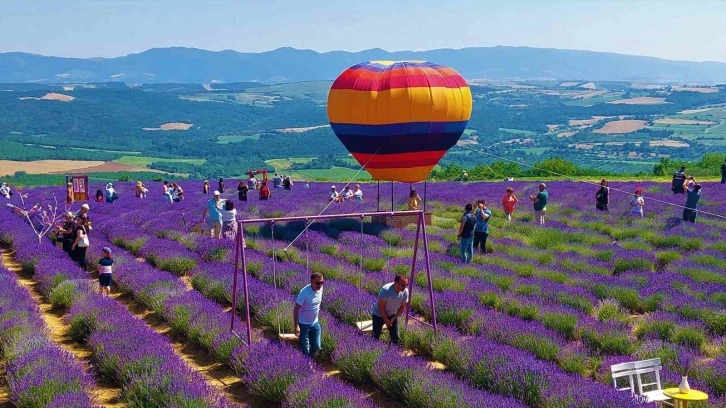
(508, 202)
(264, 191)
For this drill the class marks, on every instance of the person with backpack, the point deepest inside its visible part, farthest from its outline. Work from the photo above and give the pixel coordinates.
(679, 178)
(111, 194)
(466, 234)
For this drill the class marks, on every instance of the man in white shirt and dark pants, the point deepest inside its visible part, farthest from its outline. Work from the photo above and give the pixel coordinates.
(392, 301)
(305, 314)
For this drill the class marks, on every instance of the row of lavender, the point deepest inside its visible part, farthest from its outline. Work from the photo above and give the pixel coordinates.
(342, 299)
(39, 373)
(274, 371)
(553, 331)
(152, 375)
(418, 385)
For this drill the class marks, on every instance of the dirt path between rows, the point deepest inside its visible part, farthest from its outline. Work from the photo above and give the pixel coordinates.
(106, 392)
(215, 373)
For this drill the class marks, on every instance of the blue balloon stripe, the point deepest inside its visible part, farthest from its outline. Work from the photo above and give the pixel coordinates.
(397, 144)
(394, 129)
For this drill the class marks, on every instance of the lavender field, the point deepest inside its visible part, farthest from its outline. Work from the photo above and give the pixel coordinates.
(536, 321)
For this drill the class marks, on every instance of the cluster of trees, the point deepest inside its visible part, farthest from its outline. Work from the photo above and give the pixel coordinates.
(708, 166)
(500, 170)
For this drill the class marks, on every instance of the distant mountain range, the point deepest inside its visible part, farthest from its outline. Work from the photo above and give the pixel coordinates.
(191, 65)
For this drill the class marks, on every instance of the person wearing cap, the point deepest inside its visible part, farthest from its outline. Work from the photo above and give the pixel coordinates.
(111, 195)
(105, 272)
(215, 215)
(334, 195)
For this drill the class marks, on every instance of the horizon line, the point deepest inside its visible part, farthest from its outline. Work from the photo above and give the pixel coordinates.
(360, 51)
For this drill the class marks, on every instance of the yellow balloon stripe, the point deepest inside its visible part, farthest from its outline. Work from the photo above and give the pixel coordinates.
(399, 105)
(409, 175)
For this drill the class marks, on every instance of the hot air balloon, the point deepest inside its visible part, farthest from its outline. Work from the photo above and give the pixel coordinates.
(398, 118)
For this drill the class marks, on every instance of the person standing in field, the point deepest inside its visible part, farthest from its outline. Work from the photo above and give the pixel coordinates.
(229, 220)
(509, 201)
(723, 173)
(252, 182)
(358, 193)
(602, 197)
(306, 185)
(205, 187)
(637, 203)
(333, 195)
(105, 272)
(692, 198)
(166, 192)
(305, 315)
(413, 200)
(81, 243)
(392, 302)
(677, 183)
(65, 233)
(287, 183)
(466, 234)
(215, 215)
(221, 185)
(265, 193)
(242, 191)
(540, 203)
(481, 230)
(69, 193)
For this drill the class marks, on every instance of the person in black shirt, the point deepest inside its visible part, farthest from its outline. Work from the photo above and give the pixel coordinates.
(602, 198)
(466, 234)
(678, 178)
(242, 191)
(723, 173)
(80, 243)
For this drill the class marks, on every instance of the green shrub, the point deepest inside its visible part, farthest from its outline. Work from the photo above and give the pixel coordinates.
(63, 295)
(688, 336)
(562, 323)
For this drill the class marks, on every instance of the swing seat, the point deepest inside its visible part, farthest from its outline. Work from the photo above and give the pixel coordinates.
(288, 337)
(366, 326)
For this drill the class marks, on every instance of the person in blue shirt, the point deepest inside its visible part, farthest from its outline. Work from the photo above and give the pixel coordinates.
(481, 230)
(215, 215)
(305, 315)
(276, 181)
(693, 192)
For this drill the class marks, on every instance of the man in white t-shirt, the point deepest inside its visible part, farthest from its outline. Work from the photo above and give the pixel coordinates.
(305, 315)
(392, 301)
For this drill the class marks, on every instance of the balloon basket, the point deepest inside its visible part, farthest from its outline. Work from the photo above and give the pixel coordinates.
(399, 220)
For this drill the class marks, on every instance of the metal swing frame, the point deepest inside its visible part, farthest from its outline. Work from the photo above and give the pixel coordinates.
(240, 253)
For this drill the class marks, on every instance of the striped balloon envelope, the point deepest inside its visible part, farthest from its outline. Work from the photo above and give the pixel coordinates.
(399, 117)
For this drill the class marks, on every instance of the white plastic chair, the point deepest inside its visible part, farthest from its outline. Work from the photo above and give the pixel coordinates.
(644, 368)
(623, 370)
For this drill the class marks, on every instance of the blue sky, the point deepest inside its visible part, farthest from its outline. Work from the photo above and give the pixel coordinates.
(686, 30)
